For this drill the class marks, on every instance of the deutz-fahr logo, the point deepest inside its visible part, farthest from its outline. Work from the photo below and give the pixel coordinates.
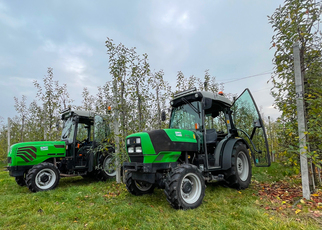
(27, 153)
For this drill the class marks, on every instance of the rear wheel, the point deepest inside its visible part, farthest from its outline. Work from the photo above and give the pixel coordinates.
(241, 169)
(42, 177)
(20, 180)
(185, 187)
(138, 188)
(108, 166)
(107, 170)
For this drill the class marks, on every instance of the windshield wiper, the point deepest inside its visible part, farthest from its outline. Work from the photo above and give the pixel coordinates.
(191, 105)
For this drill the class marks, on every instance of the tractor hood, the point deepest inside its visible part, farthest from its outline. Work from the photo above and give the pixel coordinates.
(32, 153)
(160, 146)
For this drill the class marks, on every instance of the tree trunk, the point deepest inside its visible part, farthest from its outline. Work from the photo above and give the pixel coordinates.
(139, 106)
(158, 104)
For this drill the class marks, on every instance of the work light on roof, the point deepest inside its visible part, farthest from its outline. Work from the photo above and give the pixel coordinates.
(185, 92)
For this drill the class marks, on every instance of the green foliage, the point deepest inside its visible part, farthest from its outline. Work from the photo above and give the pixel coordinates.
(297, 21)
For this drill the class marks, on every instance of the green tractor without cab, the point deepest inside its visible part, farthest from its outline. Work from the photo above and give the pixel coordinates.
(82, 151)
(209, 139)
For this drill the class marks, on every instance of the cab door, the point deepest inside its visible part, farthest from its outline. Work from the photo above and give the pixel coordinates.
(250, 126)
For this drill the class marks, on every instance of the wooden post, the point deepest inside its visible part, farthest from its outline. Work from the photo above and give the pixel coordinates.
(301, 121)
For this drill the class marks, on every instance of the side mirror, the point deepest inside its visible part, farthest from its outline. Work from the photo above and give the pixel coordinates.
(257, 124)
(163, 116)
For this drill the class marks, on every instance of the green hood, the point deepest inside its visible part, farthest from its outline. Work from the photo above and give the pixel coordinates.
(32, 153)
(161, 146)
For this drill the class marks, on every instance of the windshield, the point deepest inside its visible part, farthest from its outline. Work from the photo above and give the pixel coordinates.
(68, 130)
(186, 116)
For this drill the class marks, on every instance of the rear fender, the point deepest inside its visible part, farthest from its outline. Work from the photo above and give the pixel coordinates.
(228, 150)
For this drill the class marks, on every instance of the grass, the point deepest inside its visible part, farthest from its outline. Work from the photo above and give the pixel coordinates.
(82, 204)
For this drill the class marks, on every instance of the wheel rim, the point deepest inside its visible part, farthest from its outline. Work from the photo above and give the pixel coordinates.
(143, 186)
(108, 166)
(242, 166)
(45, 178)
(190, 188)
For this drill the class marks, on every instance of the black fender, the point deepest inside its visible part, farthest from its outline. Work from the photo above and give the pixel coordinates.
(228, 150)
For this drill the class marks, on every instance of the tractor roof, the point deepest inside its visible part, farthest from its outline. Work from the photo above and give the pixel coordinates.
(205, 94)
(85, 114)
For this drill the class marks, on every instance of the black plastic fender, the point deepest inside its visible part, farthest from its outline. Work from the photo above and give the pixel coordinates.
(228, 150)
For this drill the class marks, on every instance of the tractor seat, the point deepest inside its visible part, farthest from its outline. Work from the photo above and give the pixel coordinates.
(211, 136)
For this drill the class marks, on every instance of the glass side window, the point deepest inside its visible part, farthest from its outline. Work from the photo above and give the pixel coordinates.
(101, 130)
(218, 123)
(82, 133)
(186, 116)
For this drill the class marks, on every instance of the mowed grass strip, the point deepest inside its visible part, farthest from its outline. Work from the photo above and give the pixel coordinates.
(79, 203)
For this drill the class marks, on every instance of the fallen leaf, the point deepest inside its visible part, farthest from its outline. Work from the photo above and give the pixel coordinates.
(297, 211)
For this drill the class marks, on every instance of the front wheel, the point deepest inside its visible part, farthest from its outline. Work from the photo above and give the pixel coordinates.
(185, 187)
(241, 169)
(20, 180)
(138, 188)
(42, 177)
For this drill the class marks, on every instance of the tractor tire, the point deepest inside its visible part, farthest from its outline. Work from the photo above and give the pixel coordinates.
(185, 187)
(239, 176)
(108, 171)
(138, 188)
(42, 177)
(20, 180)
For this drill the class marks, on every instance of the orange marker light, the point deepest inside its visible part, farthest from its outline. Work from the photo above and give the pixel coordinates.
(221, 93)
(109, 108)
(196, 126)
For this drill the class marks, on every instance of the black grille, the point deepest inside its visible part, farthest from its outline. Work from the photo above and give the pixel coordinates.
(136, 158)
(9, 160)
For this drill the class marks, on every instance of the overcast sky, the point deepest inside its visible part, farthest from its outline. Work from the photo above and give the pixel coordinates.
(231, 38)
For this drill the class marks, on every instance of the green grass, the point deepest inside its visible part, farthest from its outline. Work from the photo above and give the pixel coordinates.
(82, 204)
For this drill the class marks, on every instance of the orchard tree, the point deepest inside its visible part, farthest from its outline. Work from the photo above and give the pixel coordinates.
(50, 95)
(160, 96)
(88, 100)
(21, 108)
(298, 21)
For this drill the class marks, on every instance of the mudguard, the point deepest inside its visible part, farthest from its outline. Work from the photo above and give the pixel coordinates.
(228, 150)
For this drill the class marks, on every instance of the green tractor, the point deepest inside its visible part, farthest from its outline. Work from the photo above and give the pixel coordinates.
(82, 151)
(209, 139)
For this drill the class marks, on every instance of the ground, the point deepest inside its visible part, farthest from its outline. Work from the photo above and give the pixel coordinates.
(273, 201)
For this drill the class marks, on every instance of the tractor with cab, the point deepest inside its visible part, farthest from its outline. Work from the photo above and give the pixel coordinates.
(209, 139)
(84, 150)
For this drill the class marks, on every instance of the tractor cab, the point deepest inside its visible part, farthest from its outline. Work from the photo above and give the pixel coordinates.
(215, 120)
(83, 132)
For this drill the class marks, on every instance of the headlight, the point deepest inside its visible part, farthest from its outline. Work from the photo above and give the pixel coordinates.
(138, 140)
(128, 141)
(130, 149)
(138, 149)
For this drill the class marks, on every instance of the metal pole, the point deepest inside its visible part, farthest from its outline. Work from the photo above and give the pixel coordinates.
(116, 133)
(271, 137)
(8, 134)
(301, 121)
